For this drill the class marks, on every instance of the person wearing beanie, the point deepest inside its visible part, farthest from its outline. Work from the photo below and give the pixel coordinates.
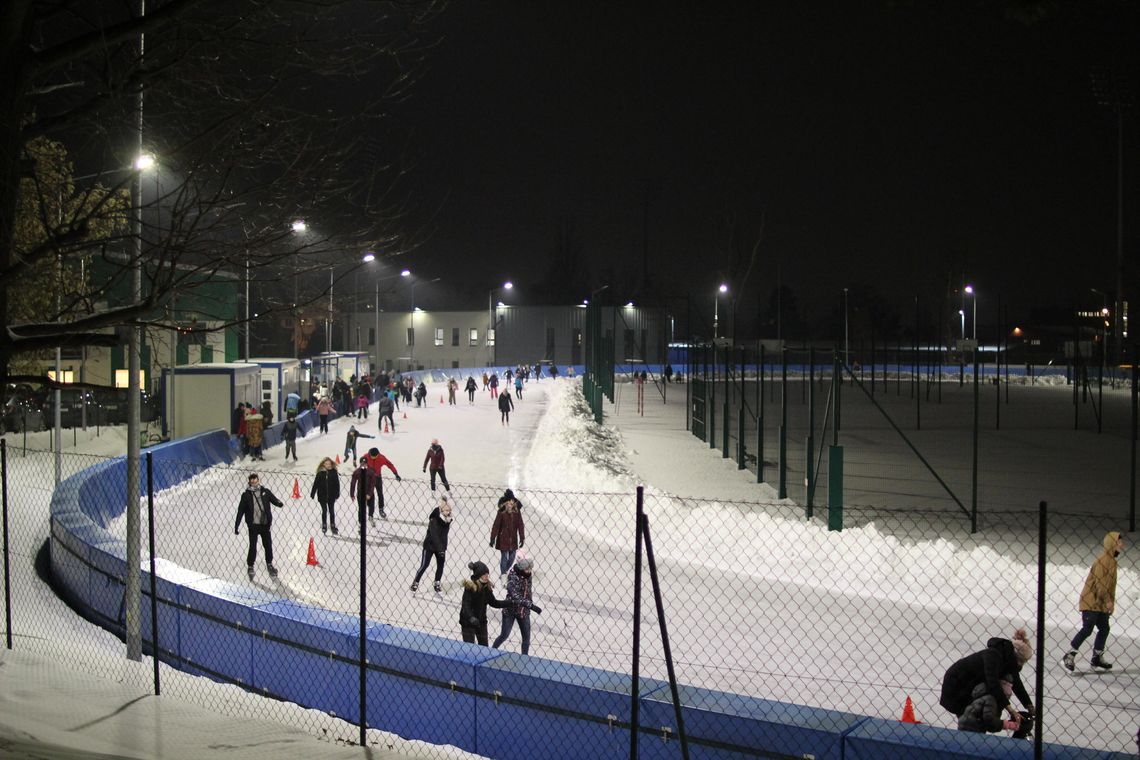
(435, 543)
(477, 595)
(508, 532)
(1001, 656)
(1097, 603)
(519, 604)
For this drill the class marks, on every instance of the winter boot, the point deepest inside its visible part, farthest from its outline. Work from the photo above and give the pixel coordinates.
(335, 531)
(1099, 662)
(438, 587)
(272, 571)
(1070, 660)
(249, 571)
(415, 585)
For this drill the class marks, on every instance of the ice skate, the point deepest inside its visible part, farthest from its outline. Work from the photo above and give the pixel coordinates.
(335, 531)
(437, 586)
(272, 571)
(415, 585)
(1099, 663)
(249, 571)
(1069, 661)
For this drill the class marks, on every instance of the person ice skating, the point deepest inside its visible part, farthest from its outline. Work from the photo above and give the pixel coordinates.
(376, 462)
(1097, 603)
(421, 394)
(267, 412)
(553, 371)
(477, 595)
(324, 406)
(326, 490)
(506, 404)
(452, 387)
(254, 508)
(486, 381)
(518, 387)
(983, 714)
(254, 433)
(519, 604)
(493, 383)
(570, 372)
(289, 435)
(1001, 656)
(508, 532)
(350, 439)
(361, 406)
(384, 409)
(470, 388)
(434, 459)
(360, 490)
(435, 543)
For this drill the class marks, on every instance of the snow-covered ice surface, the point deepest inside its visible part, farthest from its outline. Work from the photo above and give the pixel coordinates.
(758, 599)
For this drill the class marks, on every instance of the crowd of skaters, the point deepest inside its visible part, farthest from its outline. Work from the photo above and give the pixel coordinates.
(366, 489)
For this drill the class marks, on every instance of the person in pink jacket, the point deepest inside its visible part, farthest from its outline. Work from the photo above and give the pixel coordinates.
(324, 407)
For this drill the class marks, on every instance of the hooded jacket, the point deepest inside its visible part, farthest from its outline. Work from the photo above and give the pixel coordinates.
(434, 457)
(289, 430)
(326, 486)
(385, 406)
(506, 404)
(984, 667)
(982, 714)
(508, 532)
(438, 527)
(476, 598)
(1099, 592)
(245, 507)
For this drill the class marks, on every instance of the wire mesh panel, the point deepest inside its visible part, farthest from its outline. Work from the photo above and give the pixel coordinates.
(790, 617)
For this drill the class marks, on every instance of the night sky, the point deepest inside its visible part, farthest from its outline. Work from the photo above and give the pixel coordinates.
(891, 148)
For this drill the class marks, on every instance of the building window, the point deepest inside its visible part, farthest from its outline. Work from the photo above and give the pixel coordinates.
(455, 336)
(439, 336)
(549, 344)
(411, 336)
(122, 378)
(491, 337)
(65, 375)
(455, 364)
(372, 336)
(628, 346)
(473, 337)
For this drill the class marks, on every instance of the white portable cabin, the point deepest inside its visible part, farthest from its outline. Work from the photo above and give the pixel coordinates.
(354, 364)
(204, 396)
(279, 378)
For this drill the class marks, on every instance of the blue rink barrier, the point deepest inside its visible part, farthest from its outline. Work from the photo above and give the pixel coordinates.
(498, 704)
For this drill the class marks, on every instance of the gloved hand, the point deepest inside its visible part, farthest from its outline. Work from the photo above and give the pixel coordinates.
(521, 544)
(398, 478)
(492, 544)
(535, 609)
(235, 531)
(424, 470)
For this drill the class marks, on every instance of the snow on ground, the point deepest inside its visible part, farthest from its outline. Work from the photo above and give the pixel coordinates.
(758, 600)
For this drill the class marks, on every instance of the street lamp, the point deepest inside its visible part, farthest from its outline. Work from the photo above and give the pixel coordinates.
(962, 315)
(969, 290)
(716, 307)
(508, 285)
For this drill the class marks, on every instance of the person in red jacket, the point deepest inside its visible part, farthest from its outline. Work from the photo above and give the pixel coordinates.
(434, 458)
(508, 533)
(376, 462)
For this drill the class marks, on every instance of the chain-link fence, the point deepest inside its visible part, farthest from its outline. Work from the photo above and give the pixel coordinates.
(758, 602)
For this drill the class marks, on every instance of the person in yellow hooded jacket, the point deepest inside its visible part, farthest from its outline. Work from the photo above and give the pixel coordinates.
(1097, 603)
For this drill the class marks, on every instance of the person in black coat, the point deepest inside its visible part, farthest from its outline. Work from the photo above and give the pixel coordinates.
(506, 404)
(1001, 656)
(477, 595)
(326, 490)
(435, 543)
(254, 508)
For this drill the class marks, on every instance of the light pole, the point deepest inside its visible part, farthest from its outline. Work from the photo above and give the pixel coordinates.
(969, 290)
(508, 285)
(962, 315)
(716, 307)
(412, 316)
(328, 319)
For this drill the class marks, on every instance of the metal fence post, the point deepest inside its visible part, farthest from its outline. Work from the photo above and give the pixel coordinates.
(760, 418)
(362, 523)
(1039, 686)
(835, 459)
(153, 582)
(634, 688)
(974, 470)
(783, 489)
(7, 566)
(809, 475)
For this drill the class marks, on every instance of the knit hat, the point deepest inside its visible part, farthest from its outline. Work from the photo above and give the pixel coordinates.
(478, 569)
(524, 564)
(508, 494)
(374, 452)
(1021, 646)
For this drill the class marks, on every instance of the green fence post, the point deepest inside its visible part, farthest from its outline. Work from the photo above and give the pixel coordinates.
(835, 488)
(783, 488)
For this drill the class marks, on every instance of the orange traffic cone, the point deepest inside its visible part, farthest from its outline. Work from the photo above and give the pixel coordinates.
(908, 712)
(441, 398)
(405, 415)
(338, 458)
(296, 489)
(385, 424)
(312, 560)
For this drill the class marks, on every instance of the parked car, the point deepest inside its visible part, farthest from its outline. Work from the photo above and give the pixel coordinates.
(21, 409)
